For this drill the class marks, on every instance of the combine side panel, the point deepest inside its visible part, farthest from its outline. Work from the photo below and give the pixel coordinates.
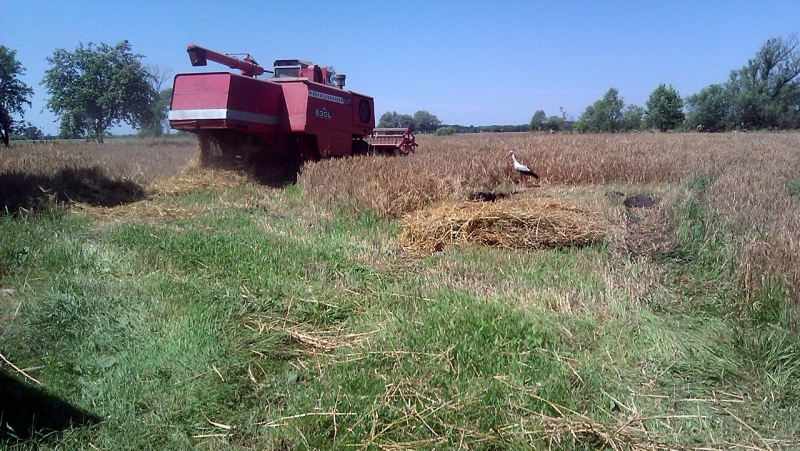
(322, 111)
(364, 116)
(221, 100)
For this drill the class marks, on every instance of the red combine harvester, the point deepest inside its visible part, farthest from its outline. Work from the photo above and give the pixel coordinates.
(302, 112)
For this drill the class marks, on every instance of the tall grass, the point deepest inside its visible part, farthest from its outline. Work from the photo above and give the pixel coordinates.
(138, 160)
(748, 177)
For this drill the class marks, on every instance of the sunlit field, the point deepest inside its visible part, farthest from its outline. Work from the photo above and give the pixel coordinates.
(148, 303)
(750, 182)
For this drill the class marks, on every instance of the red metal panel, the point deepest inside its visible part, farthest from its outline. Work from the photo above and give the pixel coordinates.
(254, 95)
(296, 96)
(363, 114)
(192, 91)
(225, 100)
(330, 108)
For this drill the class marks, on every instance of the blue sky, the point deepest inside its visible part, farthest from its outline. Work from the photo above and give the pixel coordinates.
(469, 63)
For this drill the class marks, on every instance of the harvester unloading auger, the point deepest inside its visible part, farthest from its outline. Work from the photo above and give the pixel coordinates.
(271, 126)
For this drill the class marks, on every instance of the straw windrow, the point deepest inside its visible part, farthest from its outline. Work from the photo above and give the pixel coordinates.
(510, 223)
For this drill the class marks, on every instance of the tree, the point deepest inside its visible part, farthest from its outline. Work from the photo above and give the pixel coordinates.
(13, 92)
(28, 131)
(97, 87)
(664, 108)
(765, 92)
(159, 111)
(554, 124)
(632, 117)
(537, 121)
(605, 115)
(710, 109)
(445, 131)
(426, 122)
(393, 120)
(158, 77)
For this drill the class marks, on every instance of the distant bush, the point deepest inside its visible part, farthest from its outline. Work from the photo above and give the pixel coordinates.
(445, 131)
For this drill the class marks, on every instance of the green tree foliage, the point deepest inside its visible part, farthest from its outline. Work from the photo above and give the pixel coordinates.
(664, 108)
(426, 122)
(537, 121)
(710, 109)
(157, 124)
(605, 115)
(445, 131)
(13, 92)
(633, 117)
(96, 87)
(765, 92)
(554, 124)
(27, 131)
(158, 78)
(422, 121)
(392, 119)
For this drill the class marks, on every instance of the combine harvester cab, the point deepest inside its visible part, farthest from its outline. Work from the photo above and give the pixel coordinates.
(302, 112)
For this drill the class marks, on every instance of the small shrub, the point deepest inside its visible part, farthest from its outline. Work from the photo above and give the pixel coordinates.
(445, 131)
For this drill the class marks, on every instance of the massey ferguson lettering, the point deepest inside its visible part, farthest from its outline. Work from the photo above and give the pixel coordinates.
(329, 97)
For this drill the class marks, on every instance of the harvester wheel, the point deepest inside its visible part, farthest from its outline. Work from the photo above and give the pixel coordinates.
(292, 167)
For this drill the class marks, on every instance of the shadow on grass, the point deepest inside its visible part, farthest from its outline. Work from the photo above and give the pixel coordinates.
(23, 191)
(28, 412)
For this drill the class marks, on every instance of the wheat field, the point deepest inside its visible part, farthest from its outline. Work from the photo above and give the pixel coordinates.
(753, 180)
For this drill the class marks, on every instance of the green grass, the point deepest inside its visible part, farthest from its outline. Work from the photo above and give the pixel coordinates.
(269, 326)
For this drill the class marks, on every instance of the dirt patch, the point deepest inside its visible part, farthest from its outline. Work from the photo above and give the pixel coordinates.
(647, 231)
(639, 201)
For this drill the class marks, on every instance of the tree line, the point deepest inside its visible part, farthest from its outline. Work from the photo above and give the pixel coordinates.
(97, 87)
(91, 89)
(763, 94)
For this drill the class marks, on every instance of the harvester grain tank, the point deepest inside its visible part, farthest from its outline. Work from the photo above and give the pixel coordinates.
(301, 112)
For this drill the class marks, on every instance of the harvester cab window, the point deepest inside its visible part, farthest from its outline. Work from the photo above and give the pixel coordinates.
(289, 68)
(281, 72)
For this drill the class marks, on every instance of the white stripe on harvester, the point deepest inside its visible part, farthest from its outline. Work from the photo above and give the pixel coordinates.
(222, 113)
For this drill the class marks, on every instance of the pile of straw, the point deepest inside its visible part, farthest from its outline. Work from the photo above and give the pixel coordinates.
(511, 223)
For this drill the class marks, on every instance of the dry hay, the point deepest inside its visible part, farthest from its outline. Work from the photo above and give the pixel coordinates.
(157, 207)
(511, 223)
(195, 178)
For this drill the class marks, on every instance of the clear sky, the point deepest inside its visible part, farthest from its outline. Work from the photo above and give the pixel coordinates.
(468, 62)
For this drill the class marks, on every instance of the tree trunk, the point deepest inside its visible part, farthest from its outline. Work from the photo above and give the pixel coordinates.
(98, 133)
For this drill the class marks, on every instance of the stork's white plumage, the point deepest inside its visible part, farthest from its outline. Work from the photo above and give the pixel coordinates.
(521, 168)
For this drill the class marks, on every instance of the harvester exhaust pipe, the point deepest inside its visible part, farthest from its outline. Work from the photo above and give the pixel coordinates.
(339, 78)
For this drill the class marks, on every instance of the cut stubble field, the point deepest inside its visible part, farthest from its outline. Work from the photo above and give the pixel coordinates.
(379, 303)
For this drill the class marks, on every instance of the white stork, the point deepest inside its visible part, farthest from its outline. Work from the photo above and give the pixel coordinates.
(521, 168)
